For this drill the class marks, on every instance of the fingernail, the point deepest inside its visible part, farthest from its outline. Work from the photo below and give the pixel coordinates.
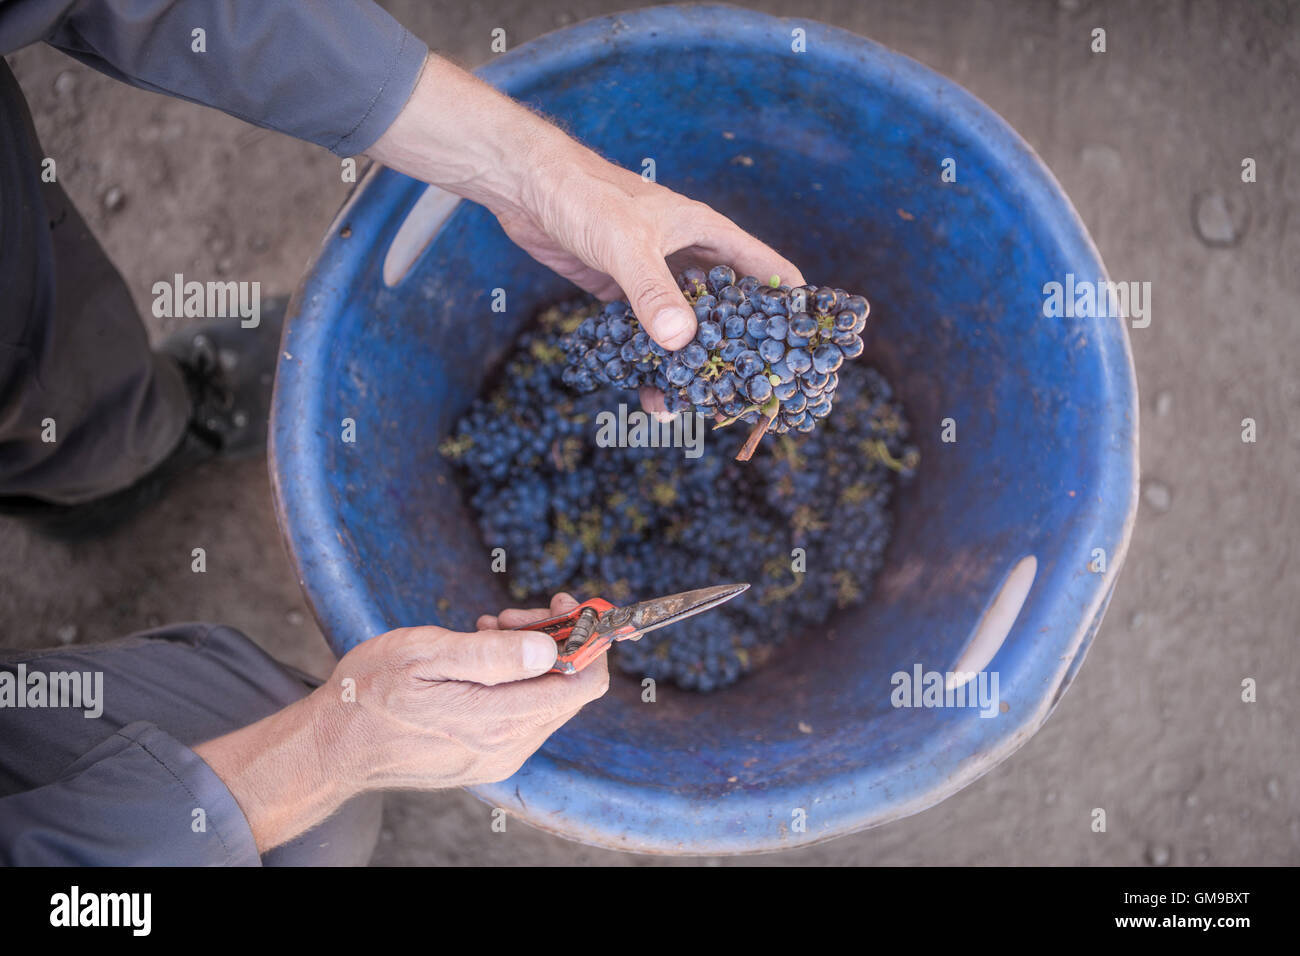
(673, 327)
(539, 652)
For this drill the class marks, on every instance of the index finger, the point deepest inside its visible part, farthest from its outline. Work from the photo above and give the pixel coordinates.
(561, 603)
(723, 241)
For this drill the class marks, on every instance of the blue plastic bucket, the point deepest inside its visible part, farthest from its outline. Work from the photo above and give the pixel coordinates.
(834, 156)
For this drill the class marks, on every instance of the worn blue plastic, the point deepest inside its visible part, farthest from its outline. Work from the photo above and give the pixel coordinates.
(833, 156)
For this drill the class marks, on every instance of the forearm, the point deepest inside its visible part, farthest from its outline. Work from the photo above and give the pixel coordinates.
(459, 133)
(286, 772)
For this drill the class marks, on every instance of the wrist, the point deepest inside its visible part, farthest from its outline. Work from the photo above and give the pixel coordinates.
(286, 771)
(462, 135)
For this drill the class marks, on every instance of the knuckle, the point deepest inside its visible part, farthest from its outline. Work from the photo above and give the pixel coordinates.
(645, 290)
(487, 655)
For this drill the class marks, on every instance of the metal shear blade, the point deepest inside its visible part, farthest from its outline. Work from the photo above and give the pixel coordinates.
(631, 622)
(587, 630)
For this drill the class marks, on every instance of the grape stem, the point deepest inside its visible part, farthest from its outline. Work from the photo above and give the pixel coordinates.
(769, 410)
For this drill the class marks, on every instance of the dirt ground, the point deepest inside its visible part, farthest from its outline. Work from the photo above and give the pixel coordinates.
(1147, 139)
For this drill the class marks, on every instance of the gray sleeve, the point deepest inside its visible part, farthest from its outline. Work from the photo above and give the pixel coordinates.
(129, 801)
(332, 72)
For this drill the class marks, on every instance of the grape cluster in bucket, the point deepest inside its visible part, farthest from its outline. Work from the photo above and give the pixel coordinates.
(806, 523)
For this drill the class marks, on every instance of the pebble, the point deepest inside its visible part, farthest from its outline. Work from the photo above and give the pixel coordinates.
(1158, 496)
(1220, 220)
(1164, 402)
(1274, 788)
(114, 198)
(1159, 854)
(1136, 619)
(67, 634)
(294, 617)
(65, 83)
(805, 728)
(1103, 159)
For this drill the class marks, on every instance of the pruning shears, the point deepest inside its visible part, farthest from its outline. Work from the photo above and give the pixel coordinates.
(585, 632)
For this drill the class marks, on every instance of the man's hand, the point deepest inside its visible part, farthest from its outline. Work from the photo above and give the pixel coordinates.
(440, 709)
(603, 227)
(419, 707)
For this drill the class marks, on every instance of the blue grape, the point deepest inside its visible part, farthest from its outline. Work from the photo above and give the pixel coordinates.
(720, 276)
(827, 358)
(799, 360)
(699, 393)
(771, 350)
(781, 369)
(815, 379)
(724, 389)
(731, 348)
(747, 363)
(679, 374)
(803, 325)
(694, 355)
(785, 390)
(709, 334)
(759, 388)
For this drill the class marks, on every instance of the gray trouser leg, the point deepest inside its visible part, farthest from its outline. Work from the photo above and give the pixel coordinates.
(193, 681)
(75, 361)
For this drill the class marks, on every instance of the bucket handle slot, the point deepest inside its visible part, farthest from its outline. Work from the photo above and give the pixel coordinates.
(427, 216)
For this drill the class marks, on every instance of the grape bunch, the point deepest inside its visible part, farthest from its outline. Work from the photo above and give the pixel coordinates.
(628, 524)
(765, 354)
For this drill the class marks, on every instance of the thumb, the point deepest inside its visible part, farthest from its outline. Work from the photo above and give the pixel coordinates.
(484, 657)
(659, 305)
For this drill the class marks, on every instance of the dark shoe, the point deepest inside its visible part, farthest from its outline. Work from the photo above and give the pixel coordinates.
(229, 372)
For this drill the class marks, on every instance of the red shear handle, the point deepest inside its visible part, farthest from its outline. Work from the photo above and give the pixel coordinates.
(576, 651)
